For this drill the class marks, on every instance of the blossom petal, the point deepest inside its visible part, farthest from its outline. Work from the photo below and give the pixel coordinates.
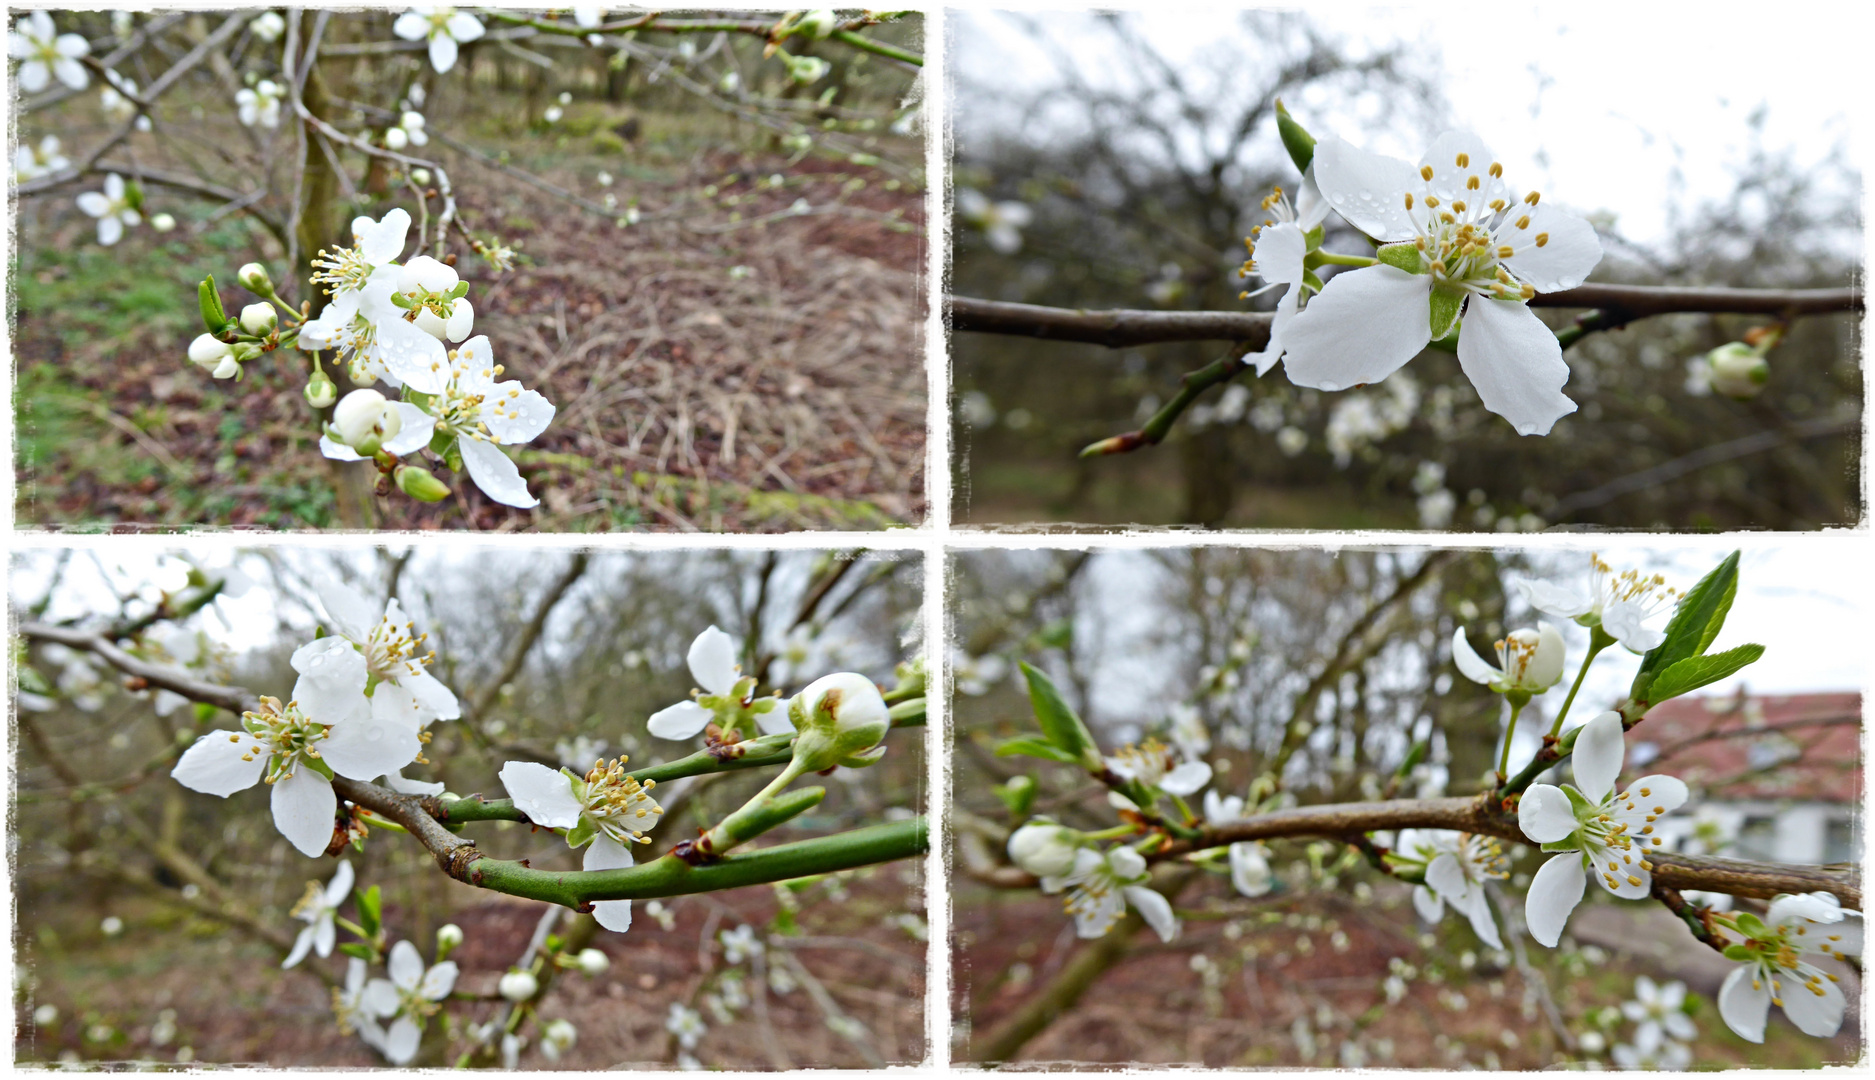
(1816, 1012)
(215, 765)
(383, 240)
(301, 946)
(1279, 328)
(463, 26)
(415, 433)
(1367, 189)
(401, 1042)
(1155, 909)
(1599, 750)
(415, 357)
(1483, 923)
(332, 677)
(1187, 779)
(352, 615)
(34, 75)
(380, 740)
(1514, 362)
(303, 806)
(1362, 327)
(712, 660)
(774, 721)
(1093, 919)
(608, 854)
(1430, 907)
(496, 474)
(325, 934)
(442, 52)
(1745, 1002)
(515, 415)
(1451, 182)
(379, 998)
(438, 702)
(411, 26)
(405, 966)
(1555, 600)
(1554, 893)
(438, 981)
(1249, 869)
(339, 888)
(1445, 876)
(682, 721)
(1280, 249)
(94, 203)
(1470, 664)
(1570, 248)
(544, 795)
(1622, 619)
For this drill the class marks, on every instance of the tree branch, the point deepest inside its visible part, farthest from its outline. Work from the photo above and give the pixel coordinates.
(1119, 328)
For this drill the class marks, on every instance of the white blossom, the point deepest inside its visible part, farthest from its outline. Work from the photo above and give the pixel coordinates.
(111, 207)
(268, 26)
(445, 27)
(607, 809)
(43, 52)
(1772, 969)
(30, 162)
(261, 104)
(741, 944)
(1002, 222)
(1279, 247)
(1463, 244)
(1529, 661)
(1658, 1009)
(1044, 848)
(1593, 827)
(319, 907)
(392, 650)
(724, 693)
(1100, 886)
(686, 1023)
(1618, 603)
(408, 999)
(1455, 867)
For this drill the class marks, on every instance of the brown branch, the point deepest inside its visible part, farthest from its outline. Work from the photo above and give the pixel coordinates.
(1118, 328)
(523, 644)
(232, 698)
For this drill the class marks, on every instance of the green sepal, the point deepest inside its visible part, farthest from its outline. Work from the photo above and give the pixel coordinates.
(582, 834)
(1696, 671)
(461, 290)
(402, 301)
(907, 713)
(1018, 794)
(1402, 257)
(360, 950)
(1060, 724)
(319, 766)
(418, 398)
(1696, 621)
(1296, 139)
(1751, 925)
(1569, 843)
(209, 300)
(1312, 239)
(1578, 802)
(1312, 281)
(1031, 747)
(1444, 312)
(864, 758)
(370, 908)
(1741, 954)
(1448, 343)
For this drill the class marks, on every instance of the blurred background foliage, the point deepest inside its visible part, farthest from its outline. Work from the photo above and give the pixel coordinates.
(1141, 189)
(200, 888)
(1323, 669)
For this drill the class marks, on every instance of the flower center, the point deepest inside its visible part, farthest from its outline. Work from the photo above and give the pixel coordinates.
(345, 269)
(313, 902)
(1146, 762)
(1632, 587)
(288, 734)
(621, 806)
(391, 651)
(1458, 239)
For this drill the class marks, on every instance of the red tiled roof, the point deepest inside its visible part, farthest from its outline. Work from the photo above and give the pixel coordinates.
(1799, 746)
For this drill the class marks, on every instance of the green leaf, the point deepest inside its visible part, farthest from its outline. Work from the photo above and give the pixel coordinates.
(1697, 671)
(360, 950)
(1696, 621)
(1028, 747)
(1059, 722)
(209, 301)
(1296, 139)
(370, 905)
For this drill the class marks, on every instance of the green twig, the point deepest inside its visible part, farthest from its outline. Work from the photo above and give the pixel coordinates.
(1191, 385)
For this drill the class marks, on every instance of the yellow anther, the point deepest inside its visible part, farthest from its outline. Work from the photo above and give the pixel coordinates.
(1529, 291)
(1497, 170)
(1632, 880)
(1425, 172)
(1459, 205)
(1464, 161)
(1409, 200)
(1472, 184)
(1541, 239)
(1505, 251)
(1523, 222)
(1432, 201)
(1532, 198)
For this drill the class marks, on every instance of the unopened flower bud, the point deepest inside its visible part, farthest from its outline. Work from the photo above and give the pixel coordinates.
(518, 986)
(807, 70)
(320, 390)
(421, 176)
(396, 138)
(840, 719)
(1738, 371)
(162, 222)
(593, 962)
(207, 352)
(259, 319)
(1044, 848)
(818, 23)
(253, 277)
(448, 936)
(420, 484)
(364, 420)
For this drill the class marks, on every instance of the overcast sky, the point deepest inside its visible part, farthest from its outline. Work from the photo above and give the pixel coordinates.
(1595, 105)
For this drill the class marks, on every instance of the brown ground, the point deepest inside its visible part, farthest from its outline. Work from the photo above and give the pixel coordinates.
(1154, 1007)
(234, 1006)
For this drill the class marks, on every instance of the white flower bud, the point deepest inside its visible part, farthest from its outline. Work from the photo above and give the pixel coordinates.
(259, 319)
(448, 936)
(818, 23)
(253, 277)
(518, 986)
(593, 962)
(421, 176)
(1044, 848)
(1738, 371)
(364, 419)
(840, 719)
(320, 390)
(162, 222)
(396, 138)
(208, 351)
